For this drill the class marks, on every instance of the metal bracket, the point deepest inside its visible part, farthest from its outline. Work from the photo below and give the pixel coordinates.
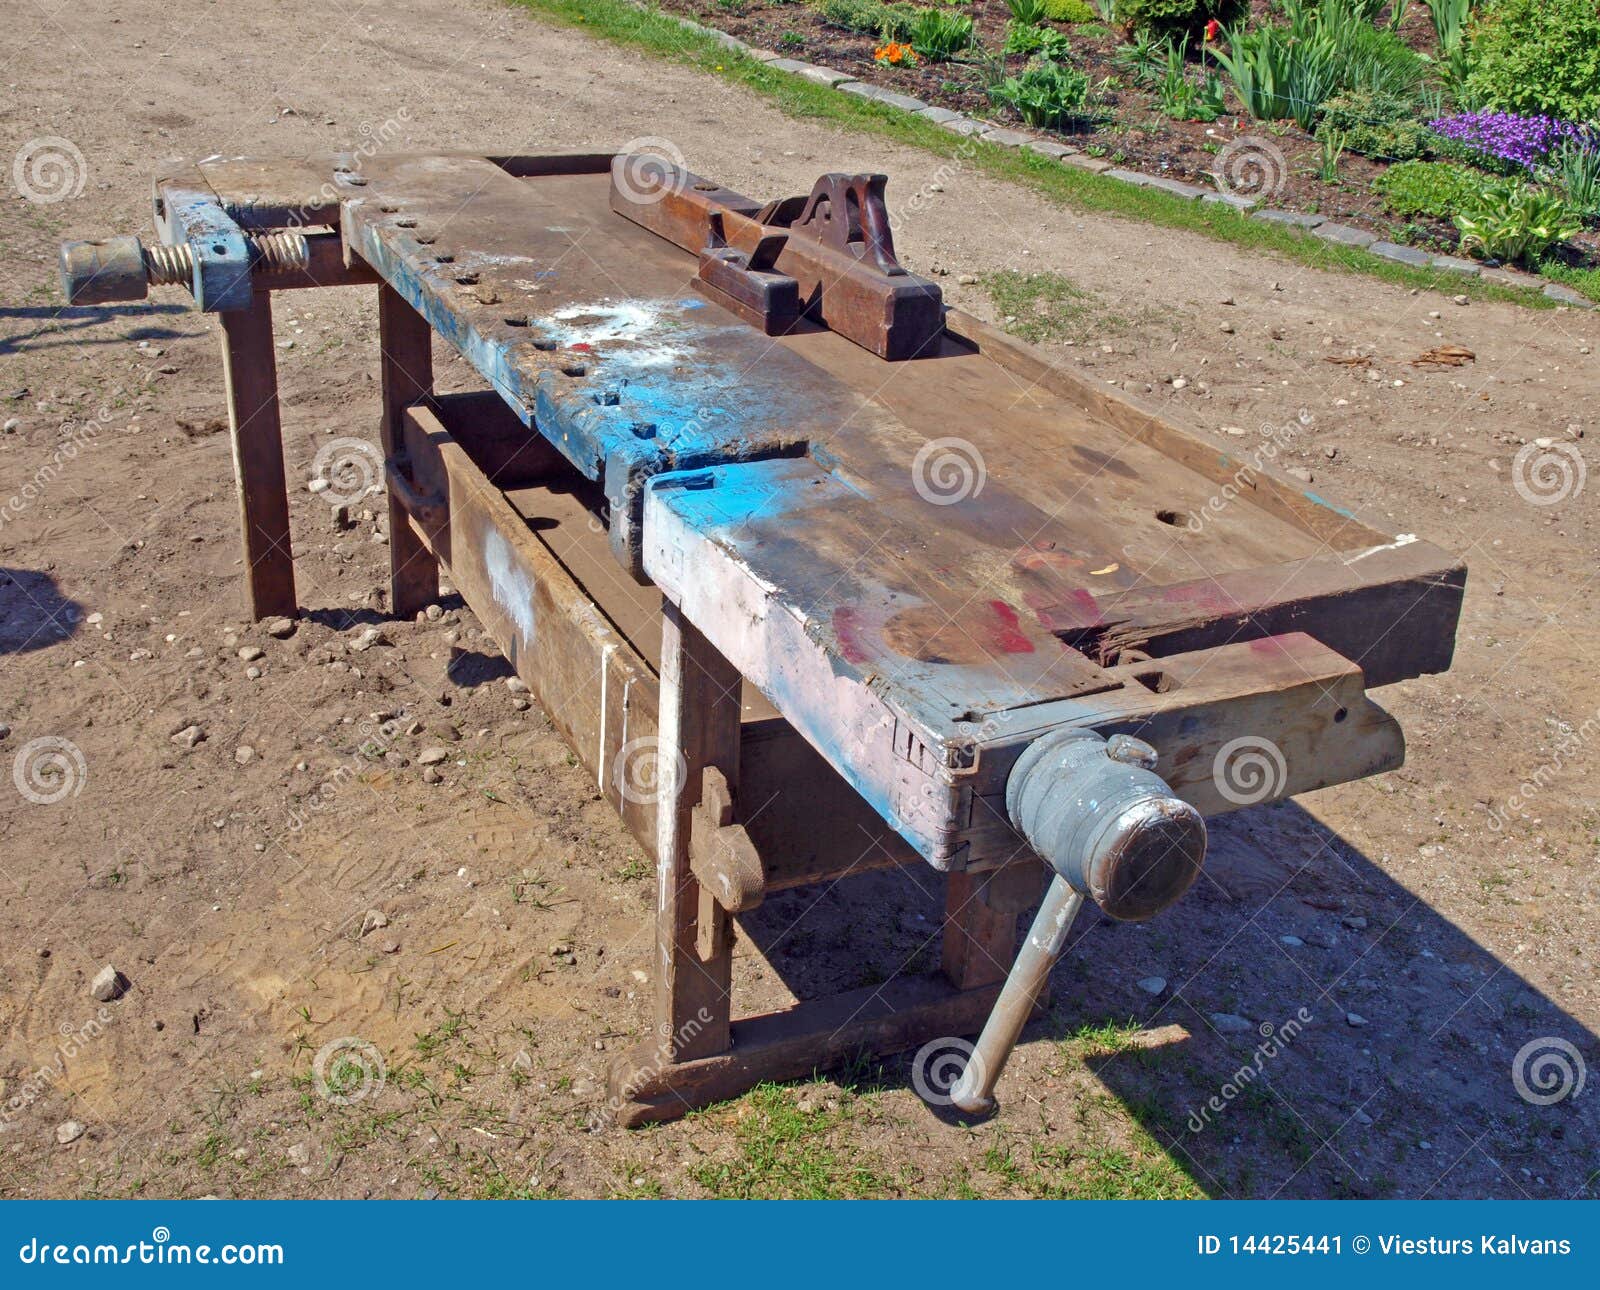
(218, 247)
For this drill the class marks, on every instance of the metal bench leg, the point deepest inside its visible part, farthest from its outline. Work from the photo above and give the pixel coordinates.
(406, 363)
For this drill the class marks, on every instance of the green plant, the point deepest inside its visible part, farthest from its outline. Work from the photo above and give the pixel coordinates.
(1069, 11)
(1535, 56)
(852, 15)
(1376, 123)
(1332, 148)
(1046, 41)
(1178, 17)
(1437, 188)
(1142, 59)
(1514, 221)
(1449, 22)
(1027, 13)
(1107, 9)
(1575, 169)
(939, 36)
(1327, 46)
(1180, 97)
(1044, 94)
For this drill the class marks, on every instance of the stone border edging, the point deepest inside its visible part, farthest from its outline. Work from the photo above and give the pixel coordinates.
(1005, 137)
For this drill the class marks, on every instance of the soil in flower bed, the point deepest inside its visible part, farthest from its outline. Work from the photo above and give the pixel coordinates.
(1129, 129)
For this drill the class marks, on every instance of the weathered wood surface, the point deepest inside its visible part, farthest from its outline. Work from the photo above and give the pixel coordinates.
(912, 562)
(250, 373)
(812, 1036)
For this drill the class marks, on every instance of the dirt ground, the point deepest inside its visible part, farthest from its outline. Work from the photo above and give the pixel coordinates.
(455, 963)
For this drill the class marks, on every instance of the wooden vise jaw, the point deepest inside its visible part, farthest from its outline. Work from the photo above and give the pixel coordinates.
(828, 257)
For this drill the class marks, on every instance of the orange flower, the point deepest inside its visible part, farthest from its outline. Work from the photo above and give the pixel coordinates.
(895, 54)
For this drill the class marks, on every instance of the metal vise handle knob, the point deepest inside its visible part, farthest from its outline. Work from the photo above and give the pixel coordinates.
(1113, 832)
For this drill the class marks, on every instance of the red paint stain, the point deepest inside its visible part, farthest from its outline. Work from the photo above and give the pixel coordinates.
(1078, 611)
(847, 627)
(1006, 632)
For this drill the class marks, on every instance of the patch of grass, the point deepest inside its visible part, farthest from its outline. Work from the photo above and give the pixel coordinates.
(1585, 281)
(1140, 1170)
(784, 1152)
(1046, 307)
(622, 24)
(1101, 1039)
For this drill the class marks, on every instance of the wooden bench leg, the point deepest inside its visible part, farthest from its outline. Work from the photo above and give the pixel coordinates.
(699, 727)
(405, 361)
(979, 940)
(250, 372)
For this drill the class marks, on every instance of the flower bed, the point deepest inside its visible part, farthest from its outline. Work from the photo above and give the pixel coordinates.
(1304, 107)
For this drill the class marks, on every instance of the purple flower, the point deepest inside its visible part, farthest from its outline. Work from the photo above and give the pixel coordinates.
(1521, 140)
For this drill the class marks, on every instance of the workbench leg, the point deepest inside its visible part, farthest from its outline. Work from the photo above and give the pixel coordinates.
(250, 372)
(980, 941)
(699, 727)
(405, 343)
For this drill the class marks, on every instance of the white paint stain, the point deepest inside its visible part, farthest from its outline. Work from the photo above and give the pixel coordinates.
(509, 584)
(638, 322)
(1403, 539)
